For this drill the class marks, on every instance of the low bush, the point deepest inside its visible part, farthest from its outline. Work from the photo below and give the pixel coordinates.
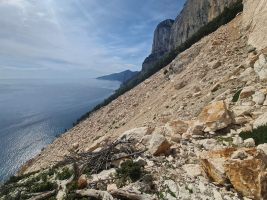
(43, 187)
(130, 170)
(259, 135)
(66, 173)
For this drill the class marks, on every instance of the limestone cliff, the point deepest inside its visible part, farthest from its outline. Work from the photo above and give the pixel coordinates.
(254, 21)
(160, 42)
(195, 14)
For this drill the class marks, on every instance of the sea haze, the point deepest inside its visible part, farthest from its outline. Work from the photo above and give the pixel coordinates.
(34, 112)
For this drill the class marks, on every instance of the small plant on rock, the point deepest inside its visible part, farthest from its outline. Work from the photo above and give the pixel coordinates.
(237, 95)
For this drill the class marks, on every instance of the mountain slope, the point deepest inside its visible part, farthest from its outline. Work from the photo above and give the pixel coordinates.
(194, 122)
(121, 76)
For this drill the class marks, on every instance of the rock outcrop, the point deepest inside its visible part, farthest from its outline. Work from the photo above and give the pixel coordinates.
(160, 43)
(170, 34)
(254, 21)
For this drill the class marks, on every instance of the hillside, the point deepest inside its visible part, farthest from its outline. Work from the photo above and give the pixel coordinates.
(194, 130)
(123, 77)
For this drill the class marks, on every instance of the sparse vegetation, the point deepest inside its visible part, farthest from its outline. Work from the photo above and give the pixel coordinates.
(227, 15)
(66, 173)
(129, 171)
(43, 186)
(237, 95)
(259, 135)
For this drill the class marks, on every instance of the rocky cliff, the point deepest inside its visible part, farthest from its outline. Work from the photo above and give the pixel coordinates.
(255, 14)
(160, 43)
(195, 14)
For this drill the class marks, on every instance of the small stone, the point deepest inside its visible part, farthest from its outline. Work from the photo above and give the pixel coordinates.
(215, 87)
(260, 121)
(263, 147)
(259, 98)
(239, 155)
(192, 169)
(75, 145)
(215, 64)
(238, 141)
(247, 92)
(111, 187)
(249, 142)
(141, 161)
(82, 182)
(158, 145)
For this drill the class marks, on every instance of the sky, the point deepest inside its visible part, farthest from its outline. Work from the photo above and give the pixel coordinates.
(78, 38)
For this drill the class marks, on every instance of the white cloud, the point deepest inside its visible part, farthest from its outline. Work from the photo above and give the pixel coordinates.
(92, 36)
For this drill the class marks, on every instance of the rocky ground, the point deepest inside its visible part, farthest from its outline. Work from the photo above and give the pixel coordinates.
(189, 127)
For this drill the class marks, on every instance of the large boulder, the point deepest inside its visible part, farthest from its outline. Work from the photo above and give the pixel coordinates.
(249, 175)
(245, 169)
(215, 116)
(212, 163)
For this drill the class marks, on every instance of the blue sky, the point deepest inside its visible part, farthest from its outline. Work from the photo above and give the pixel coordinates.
(77, 38)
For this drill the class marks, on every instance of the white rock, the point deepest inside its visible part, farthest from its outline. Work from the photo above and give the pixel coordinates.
(238, 141)
(105, 174)
(217, 195)
(263, 147)
(259, 98)
(249, 142)
(158, 145)
(111, 187)
(135, 134)
(260, 121)
(208, 144)
(260, 67)
(192, 169)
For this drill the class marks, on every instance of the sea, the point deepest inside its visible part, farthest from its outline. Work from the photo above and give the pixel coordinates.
(33, 113)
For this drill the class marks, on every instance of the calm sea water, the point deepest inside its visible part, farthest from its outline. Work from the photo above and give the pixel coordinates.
(34, 112)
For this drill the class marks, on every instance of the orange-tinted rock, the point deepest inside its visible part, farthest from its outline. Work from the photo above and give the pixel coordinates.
(213, 162)
(82, 182)
(249, 176)
(215, 116)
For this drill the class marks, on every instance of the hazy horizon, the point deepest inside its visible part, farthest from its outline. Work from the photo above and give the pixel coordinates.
(77, 38)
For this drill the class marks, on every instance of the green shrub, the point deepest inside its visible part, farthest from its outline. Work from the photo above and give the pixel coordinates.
(130, 170)
(237, 95)
(259, 135)
(66, 173)
(43, 187)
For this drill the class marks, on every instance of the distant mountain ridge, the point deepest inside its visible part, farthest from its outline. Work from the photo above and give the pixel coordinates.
(123, 77)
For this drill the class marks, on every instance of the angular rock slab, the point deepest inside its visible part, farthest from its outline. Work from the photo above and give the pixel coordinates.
(249, 176)
(215, 116)
(212, 163)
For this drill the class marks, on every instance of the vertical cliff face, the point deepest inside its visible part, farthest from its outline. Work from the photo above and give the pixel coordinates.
(161, 43)
(170, 34)
(254, 21)
(162, 36)
(195, 14)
